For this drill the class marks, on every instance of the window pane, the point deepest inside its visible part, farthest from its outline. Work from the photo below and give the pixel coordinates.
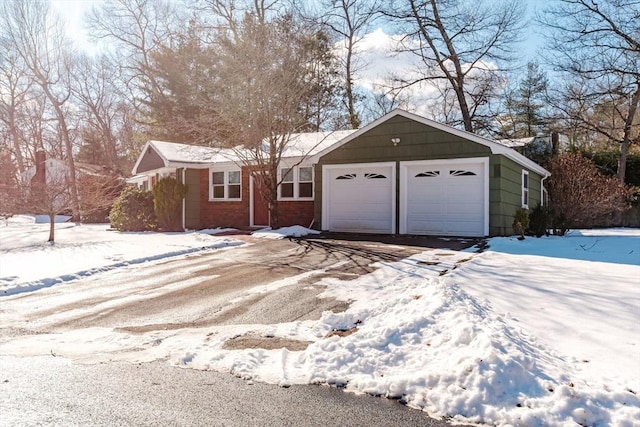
(234, 191)
(218, 191)
(234, 177)
(286, 189)
(286, 175)
(305, 174)
(218, 177)
(525, 180)
(305, 189)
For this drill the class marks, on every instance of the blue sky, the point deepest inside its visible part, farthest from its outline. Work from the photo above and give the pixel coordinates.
(73, 10)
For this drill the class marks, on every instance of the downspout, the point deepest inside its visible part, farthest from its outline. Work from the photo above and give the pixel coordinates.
(542, 189)
(184, 200)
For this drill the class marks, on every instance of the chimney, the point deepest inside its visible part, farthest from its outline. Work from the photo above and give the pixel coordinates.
(41, 169)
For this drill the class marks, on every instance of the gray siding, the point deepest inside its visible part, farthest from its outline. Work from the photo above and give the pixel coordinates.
(150, 161)
(192, 199)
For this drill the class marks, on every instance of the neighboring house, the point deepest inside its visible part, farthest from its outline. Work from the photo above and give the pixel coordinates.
(539, 146)
(401, 174)
(97, 186)
(57, 171)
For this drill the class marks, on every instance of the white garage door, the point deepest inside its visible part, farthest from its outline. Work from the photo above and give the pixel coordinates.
(359, 198)
(444, 198)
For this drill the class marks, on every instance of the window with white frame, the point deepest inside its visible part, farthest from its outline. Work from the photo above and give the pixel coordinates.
(305, 182)
(226, 185)
(525, 189)
(296, 183)
(286, 183)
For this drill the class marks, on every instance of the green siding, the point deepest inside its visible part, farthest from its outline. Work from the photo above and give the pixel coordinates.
(192, 199)
(505, 193)
(417, 142)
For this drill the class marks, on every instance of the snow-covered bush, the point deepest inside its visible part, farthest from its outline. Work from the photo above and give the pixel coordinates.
(133, 211)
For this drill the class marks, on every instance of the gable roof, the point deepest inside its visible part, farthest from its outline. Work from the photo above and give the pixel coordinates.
(175, 155)
(495, 147)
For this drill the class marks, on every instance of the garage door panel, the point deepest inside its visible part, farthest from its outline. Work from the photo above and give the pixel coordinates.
(360, 199)
(424, 226)
(444, 199)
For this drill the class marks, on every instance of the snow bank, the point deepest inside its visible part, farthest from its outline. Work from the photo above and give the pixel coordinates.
(280, 233)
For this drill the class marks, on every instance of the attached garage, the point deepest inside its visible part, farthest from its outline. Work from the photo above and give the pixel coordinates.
(360, 197)
(406, 174)
(444, 197)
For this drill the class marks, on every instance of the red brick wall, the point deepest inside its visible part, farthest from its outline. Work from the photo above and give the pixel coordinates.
(224, 214)
(295, 213)
(236, 214)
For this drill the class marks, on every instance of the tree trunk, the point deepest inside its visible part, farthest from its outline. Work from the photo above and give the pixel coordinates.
(354, 120)
(13, 134)
(75, 200)
(52, 227)
(626, 140)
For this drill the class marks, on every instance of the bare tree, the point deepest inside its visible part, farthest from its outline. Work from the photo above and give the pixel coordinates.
(45, 191)
(468, 45)
(102, 111)
(37, 36)
(596, 45)
(14, 88)
(9, 188)
(133, 30)
(349, 21)
(267, 89)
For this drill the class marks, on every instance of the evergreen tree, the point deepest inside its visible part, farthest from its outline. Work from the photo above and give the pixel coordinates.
(526, 107)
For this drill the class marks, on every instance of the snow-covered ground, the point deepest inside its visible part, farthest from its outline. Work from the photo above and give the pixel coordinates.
(28, 262)
(536, 332)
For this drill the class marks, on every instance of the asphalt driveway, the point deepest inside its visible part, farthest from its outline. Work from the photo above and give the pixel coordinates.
(219, 282)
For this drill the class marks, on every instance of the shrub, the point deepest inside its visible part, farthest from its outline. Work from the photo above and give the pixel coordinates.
(97, 195)
(167, 203)
(581, 196)
(133, 210)
(539, 221)
(521, 222)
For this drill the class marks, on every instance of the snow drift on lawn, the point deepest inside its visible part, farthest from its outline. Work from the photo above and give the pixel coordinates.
(539, 332)
(28, 262)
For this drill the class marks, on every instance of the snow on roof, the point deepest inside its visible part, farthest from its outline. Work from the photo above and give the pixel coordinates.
(516, 142)
(299, 144)
(174, 152)
(308, 144)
